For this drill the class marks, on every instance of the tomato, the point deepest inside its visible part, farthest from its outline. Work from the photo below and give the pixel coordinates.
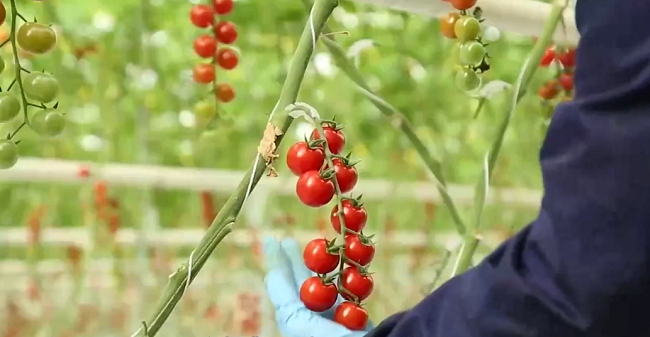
(547, 58)
(313, 190)
(9, 107)
(48, 123)
(351, 316)
(223, 7)
(36, 38)
(462, 5)
(3, 14)
(205, 46)
(101, 193)
(357, 251)
(225, 32)
(566, 81)
(568, 58)
(447, 24)
(41, 87)
(548, 91)
(301, 158)
(203, 73)
(335, 138)
(346, 176)
(83, 172)
(317, 257)
(467, 80)
(8, 154)
(202, 16)
(467, 28)
(3, 64)
(316, 295)
(225, 92)
(355, 217)
(358, 284)
(227, 58)
(471, 53)
(205, 109)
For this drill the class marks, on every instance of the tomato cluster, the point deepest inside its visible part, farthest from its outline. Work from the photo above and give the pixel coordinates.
(207, 45)
(561, 86)
(470, 52)
(322, 173)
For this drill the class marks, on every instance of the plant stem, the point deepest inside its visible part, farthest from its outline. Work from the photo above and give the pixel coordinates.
(17, 67)
(223, 222)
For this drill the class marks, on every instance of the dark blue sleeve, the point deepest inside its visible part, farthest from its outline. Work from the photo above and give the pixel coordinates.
(582, 268)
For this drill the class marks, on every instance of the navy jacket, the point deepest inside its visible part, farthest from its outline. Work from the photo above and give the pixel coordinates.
(582, 268)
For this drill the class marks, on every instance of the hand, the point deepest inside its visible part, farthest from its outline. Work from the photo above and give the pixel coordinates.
(285, 274)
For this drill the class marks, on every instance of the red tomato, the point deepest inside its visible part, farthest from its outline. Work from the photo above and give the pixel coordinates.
(548, 91)
(568, 58)
(202, 16)
(358, 252)
(358, 284)
(225, 32)
(313, 190)
(301, 158)
(225, 92)
(335, 139)
(227, 58)
(566, 81)
(205, 46)
(316, 295)
(223, 7)
(351, 316)
(203, 73)
(355, 217)
(318, 259)
(462, 5)
(346, 176)
(548, 57)
(101, 192)
(84, 172)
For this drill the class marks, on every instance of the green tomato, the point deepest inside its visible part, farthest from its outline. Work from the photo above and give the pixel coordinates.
(36, 38)
(48, 123)
(467, 28)
(8, 154)
(471, 53)
(41, 87)
(9, 107)
(205, 109)
(467, 80)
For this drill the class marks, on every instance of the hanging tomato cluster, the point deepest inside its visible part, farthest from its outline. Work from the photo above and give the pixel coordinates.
(312, 160)
(207, 46)
(564, 61)
(471, 37)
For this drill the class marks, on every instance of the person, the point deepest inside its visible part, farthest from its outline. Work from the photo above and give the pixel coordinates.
(582, 268)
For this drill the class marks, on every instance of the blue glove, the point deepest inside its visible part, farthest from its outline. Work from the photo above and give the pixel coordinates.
(285, 274)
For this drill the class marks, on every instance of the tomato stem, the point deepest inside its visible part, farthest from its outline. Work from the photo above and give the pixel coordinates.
(18, 67)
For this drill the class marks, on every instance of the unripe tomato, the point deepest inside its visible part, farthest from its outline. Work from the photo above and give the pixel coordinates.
(566, 81)
(316, 295)
(335, 138)
(202, 16)
(346, 176)
(9, 107)
(227, 58)
(41, 87)
(355, 217)
(358, 284)
(351, 316)
(462, 5)
(203, 73)
(36, 38)
(225, 92)
(317, 257)
(205, 109)
(226, 32)
(223, 7)
(8, 154)
(467, 28)
(313, 190)
(471, 53)
(357, 251)
(205, 46)
(447, 24)
(467, 80)
(48, 123)
(301, 158)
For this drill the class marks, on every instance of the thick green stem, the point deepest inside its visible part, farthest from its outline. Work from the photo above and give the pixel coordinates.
(222, 224)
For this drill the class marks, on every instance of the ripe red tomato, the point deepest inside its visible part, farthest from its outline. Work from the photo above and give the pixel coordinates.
(301, 158)
(313, 190)
(568, 58)
(355, 217)
(205, 46)
(346, 176)
(84, 172)
(202, 16)
(351, 316)
(358, 284)
(357, 251)
(316, 295)
(566, 81)
(335, 139)
(227, 58)
(462, 5)
(225, 92)
(318, 259)
(223, 7)
(203, 73)
(548, 91)
(225, 32)
(547, 58)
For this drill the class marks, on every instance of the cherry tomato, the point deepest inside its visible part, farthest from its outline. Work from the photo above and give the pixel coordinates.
(227, 58)
(358, 252)
(316, 295)
(566, 81)
(471, 53)
(467, 80)
(48, 123)
(568, 58)
(335, 139)
(301, 158)
(355, 217)
(226, 32)
(205, 109)
(36, 38)
(318, 259)
(346, 176)
(3, 13)
(225, 92)
(467, 28)
(8, 154)
(313, 190)
(203, 73)
(358, 284)
(547, 58)
(205, 46)
(9, 107)
(41, 87)
(351, 316)
(462, 5)
(83, 172)
(202, 16)
(447, 25)
(548, 91)
(223, 7)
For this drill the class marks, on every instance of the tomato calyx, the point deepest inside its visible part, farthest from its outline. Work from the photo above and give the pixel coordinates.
(347, 160)
(332, 124)
(314, 143)
(355, 202)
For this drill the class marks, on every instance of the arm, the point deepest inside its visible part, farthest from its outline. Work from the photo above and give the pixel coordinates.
(582, 268)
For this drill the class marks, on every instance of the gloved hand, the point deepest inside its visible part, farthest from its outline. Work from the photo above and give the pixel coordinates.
(286, 272)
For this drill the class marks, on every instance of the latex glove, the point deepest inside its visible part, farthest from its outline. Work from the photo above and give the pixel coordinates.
(286, 272)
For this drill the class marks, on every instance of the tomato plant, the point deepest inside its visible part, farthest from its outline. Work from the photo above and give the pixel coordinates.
(358, 283)
(9, 107)
(202, 16)
(317, 295)
(301, 157)
(203, 73)
(36, 38)
(314, 190)
(355, 216)
(227, 58)
(41, 87)
(335, 138)
(318, 256)
(223, 7)
(226, 32)
(225, 92)
(48, 123)
(8, 154)
(205, 46)
(351, 316)
(359, 249)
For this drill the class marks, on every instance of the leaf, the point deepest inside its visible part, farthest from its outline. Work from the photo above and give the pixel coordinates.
(300, 109)
(491, 89)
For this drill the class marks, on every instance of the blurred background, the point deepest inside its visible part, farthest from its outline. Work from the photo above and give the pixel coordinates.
(69, 267)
